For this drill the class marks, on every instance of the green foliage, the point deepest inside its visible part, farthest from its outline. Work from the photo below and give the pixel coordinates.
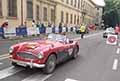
(111, 13)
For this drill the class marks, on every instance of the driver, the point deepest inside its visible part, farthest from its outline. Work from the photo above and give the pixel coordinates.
(66, 40)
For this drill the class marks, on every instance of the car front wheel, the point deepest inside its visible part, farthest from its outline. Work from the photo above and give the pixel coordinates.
(75, 52)
(50, 64)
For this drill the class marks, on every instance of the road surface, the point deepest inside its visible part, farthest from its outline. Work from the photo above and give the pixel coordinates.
(97, 61)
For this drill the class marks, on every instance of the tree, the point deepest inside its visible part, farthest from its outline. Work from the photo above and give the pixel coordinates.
(111, 13)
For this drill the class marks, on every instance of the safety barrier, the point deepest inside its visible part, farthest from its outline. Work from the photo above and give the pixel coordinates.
(1, 32)
(28, 31)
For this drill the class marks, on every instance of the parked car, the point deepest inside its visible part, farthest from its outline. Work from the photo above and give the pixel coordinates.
(108, 31)
(44, 53)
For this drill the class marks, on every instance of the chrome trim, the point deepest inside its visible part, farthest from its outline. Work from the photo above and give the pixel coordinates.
(31, 64)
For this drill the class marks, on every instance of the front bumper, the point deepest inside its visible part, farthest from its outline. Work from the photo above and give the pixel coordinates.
(26, 64)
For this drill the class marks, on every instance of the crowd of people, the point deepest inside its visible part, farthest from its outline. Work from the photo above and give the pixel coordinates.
(83, 28)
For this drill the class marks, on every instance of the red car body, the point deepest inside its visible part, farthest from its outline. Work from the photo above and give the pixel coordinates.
(27, 53)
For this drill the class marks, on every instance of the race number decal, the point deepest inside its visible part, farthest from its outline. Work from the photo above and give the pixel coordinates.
(70, 51)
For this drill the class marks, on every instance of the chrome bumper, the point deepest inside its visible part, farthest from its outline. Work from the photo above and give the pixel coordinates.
(30, 64)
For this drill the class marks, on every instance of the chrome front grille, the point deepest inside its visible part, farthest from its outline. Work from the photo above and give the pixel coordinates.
(26, 55)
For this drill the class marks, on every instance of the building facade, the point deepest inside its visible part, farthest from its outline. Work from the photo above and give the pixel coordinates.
(69, 12)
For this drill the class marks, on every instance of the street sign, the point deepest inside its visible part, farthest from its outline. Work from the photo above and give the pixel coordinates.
(112, 39)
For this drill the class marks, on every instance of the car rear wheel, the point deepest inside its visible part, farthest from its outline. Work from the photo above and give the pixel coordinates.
(50, 64)
(75, 52)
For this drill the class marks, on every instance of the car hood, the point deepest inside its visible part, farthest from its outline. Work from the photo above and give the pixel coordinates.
(35, 47)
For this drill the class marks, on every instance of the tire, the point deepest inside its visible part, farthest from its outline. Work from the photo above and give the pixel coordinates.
(50, 64)
(75, 52)
(14, 64)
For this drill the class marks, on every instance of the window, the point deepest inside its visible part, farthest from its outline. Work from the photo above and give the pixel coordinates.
(67, 18)
(67, 1)
(37, 12)
(12, 8)
(71, 2)
(45, 14)
(74, 19)
(30, 9)
(81, 4)
(78, 4)
(78, 20)
(0, 7)
(62, 16)
(71, 18)
(75, 3)
(52, 15)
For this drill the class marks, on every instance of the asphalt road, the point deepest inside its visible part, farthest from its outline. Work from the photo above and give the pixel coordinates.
(96, 62)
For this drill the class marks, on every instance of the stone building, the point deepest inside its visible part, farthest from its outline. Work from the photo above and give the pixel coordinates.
(69, 12)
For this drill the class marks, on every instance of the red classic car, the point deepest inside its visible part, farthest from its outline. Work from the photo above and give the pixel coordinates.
(44, 53)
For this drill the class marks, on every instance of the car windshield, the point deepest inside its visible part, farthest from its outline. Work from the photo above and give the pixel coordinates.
(57, 37)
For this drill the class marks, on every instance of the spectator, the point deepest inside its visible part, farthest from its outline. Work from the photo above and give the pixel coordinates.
(33, 23)
(4, 26)
(60, 27)
(25, 24)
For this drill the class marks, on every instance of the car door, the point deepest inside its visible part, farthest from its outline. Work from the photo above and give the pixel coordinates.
(62, 53)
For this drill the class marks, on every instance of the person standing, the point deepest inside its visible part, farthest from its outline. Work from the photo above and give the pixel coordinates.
(33, 24)
(4, 26)
(60, 27)
(82, 30)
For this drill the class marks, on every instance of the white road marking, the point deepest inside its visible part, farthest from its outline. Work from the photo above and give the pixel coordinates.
(4, 58)
(3, 55)
(93, 35)
(70, 80)
(1, 63)
(78, 38)
(118, 51)
(115, 64)
(9, 72)
(37, 77)
(45, 78)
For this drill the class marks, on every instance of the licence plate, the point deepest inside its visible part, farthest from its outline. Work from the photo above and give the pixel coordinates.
(21, 64)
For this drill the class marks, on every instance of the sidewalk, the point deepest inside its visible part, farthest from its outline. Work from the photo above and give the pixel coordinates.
(70, 35)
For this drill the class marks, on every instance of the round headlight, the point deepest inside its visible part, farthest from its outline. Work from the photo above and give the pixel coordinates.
(40, 56)
(11, 49)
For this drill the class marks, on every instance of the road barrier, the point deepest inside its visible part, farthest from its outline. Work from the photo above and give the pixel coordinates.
(29, 31)
(1, 32)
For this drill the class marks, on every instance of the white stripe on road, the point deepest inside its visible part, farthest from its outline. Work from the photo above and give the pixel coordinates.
(1, 63)
(115, 64)
(37, 77)
(93, 35)
(4, 55)
(45, 78)
(9, 72)
(70, 80)
(118, 51)
(4, 58)
(89, 36)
